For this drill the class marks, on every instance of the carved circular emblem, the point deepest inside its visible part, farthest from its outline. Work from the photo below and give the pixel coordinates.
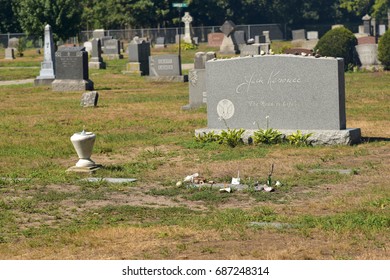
(225, 109)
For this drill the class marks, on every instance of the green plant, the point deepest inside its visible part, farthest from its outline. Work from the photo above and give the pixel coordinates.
(21, 47)
(267, 136)
(339, 42)
(232, 137)
(384, 50)
(299, 139)
(207, 137)
(187, 46)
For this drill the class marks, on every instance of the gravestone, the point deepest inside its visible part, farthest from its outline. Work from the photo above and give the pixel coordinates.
(197, 81)
(367, 24)
(88, 46)
(71, 68)
(47, 73)
(89, 99)
(13, 43)
(361, 29)
(96, 61)
(112, 49)
(368, 55)
(255, 49)
(285, 92)
(382, 29)
(260, 39)
(9, 53)
(166, 68)
(299, 34)
(240, 38)
(228, 46)
(187, 19)
(98, 33)
(312, 35)
(267, 38)
(160, 43)
(215, 39)
(138, 52)
(103, 41)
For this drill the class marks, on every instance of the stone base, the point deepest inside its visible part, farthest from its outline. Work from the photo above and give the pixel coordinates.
(347, 136)
(40, 81)
(72, 85)
(89, 169)
(181, 79)
(97, 65)
(112, 56)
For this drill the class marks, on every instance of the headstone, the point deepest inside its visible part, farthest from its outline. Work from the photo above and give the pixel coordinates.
(89, 99)
(361, 29)
(267, 38)
(299, 34)
(112, 49)
(214, 39)
(228, 46)
(367, 24)
(260, 39)
(253, 49)
(103, 41)
(240, 38)
(47, 73)
(197, 81)
(96, 61)
(283, 91)
(187, 19)
(13, 43)
(312, 35)
(9, 53)
(160, 43)
(138, 52)
(88, 46)
(366, 40)
(382, 29)
(368, 55)
(98, 33)
(165, 68)
(71, 68)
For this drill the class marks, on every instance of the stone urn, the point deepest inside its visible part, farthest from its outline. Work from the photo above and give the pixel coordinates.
(83, 143)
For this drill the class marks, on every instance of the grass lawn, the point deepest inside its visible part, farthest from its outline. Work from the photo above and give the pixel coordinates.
(47, 213)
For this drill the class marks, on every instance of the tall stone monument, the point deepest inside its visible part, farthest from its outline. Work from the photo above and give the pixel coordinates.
(187, 19)
(47, 73)
(228, 46)
(96, 61)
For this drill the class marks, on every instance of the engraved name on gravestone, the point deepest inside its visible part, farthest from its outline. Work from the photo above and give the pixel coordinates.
(294, 92)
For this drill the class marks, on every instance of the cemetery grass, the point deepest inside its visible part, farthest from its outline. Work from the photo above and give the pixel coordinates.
(318, 213)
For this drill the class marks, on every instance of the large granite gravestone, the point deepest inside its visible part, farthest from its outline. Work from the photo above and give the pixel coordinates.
(139, 52)
(187, 19)
(166, 67)
(9, 53)
(197, 81)
(112, 49)
(96, 61)
(228, 46)
(291, 92)
(47, 73)
(214, 39)
(71, 68)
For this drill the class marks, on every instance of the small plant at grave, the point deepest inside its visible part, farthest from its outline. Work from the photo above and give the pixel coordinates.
(232, 137)
(207, 137)
(186, 46)
(267, 136)
(299, 139)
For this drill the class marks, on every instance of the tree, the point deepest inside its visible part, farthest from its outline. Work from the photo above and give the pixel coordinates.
(378, 8)
(7, 17)
(64, 16)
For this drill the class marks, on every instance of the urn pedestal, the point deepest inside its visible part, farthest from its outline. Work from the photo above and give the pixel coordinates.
(83, 143)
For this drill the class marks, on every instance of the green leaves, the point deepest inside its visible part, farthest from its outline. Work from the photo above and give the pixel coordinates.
(299, 139)
(267, 136)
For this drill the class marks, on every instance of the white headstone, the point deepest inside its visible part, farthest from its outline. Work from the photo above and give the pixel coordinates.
(187, 19)
(47, 73)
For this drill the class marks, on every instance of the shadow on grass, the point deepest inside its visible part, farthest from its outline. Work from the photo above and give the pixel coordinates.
(374, 139)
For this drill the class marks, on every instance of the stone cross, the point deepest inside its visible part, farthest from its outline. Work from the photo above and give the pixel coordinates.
(187, 19)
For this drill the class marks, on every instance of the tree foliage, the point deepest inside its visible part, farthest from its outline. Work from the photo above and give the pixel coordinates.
(384, 50)
(7, 17)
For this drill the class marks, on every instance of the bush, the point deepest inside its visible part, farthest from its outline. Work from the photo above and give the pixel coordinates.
(384, 50)
(339, 42)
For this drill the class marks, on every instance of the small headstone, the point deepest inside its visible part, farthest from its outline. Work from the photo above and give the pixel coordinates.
(267, 37)
(9, 53)
(283, 92)
(361, 29)
(112, 49)
(187, 19)
(214, 39)
(240, 38)
(98, 33)
(160, 43)
(71, 68)
(253, 49)
(89, 99)
(197, 81)
(299, 34)
(165, 68)
(96, 61)
(228, 46)
(47, 73)
(13, 43)
(312, 35)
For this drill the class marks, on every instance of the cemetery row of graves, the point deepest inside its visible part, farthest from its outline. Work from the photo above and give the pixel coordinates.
(155, 180)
